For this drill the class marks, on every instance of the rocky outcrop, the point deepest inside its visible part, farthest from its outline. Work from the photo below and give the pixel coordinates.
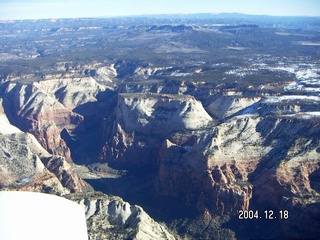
(22, 168)
(48, 107)
(267, 161)
(226, 105)
(143, 121)
(166, 112)
(26, 164)
(293, 156)
(20, 165)
(290, 104)
(62, 169)
(34, 111)
(212, 169)
(71, 92)
(112, 218)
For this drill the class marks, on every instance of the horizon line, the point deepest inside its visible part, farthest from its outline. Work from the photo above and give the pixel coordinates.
(164, 14)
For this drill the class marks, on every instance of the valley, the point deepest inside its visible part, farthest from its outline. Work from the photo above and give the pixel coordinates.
(167, 125)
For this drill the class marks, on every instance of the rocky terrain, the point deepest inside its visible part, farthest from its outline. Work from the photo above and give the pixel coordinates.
(28, 166)
(194, 122)
(112, 218)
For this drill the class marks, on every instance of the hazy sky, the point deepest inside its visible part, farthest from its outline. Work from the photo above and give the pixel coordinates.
(34, 9)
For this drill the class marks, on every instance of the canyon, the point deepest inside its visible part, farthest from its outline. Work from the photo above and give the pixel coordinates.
(170, 128)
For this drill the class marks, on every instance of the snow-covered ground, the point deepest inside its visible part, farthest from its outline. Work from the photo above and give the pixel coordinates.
(307, 79)
(303, 115)
(279, 99)
(242, 72)
(306, 74)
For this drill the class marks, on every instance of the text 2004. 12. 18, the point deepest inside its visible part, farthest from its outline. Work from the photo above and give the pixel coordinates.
(266, 214)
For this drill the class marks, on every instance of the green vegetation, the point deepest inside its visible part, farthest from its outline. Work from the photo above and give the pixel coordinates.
(202, 227)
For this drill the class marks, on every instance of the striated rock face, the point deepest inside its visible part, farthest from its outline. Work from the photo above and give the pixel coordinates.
(212, 169)
(225, 106)
(34, 111)
(143, 121)
(21, 166)
(266, 158)
(26, 164)
(62, 169)
(143, 112)
(72, 92)
(112, 218)
(46, 108)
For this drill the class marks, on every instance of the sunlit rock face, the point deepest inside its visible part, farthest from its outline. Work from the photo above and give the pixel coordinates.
(112, 218)
(226, 105)
(34, 111)
(152, 112)
(72, 92)
(21, 167)
(143, 121)
(268, 157)
(213, 168)
(28, 215)
(46, 108)
(26, 164)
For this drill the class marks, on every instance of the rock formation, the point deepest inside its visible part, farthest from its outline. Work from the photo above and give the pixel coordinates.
(21, 166)
(268, 161)
(217, 164)
(143, 121)
(25, 163)
(34, 111)
(28, 164)
(112, 218)
(227, 105)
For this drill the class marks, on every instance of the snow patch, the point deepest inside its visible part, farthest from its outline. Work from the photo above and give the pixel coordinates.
(304, 115)
(278, 99)
(308, 43)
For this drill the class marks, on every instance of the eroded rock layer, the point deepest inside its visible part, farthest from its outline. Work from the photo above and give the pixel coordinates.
(112, 218)
(143, 121)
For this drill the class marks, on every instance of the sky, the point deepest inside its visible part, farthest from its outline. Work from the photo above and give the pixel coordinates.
(39, 9)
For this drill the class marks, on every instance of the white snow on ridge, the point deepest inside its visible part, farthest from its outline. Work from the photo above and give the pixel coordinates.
(304, 115)
(313, 86)
(241, 72)
(307, 77)
(311, 89)
(277, 99)
(293, 86)
(178, 74)
(307, 74)
(308, 43)
(312, 82)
